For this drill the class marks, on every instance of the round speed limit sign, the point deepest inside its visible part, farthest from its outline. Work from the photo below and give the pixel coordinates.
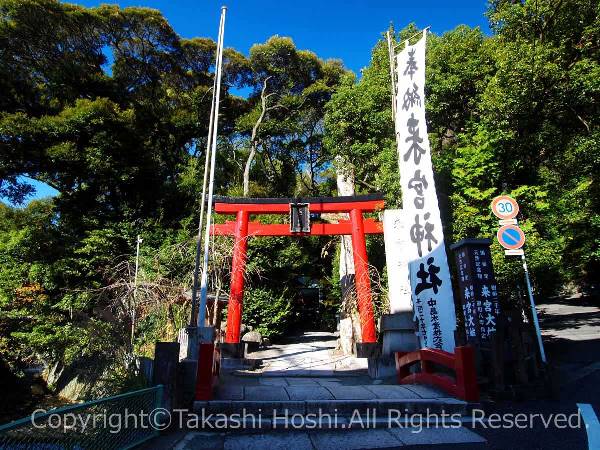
(505, 207)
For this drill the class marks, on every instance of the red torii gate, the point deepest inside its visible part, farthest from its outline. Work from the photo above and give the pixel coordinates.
(357, 227)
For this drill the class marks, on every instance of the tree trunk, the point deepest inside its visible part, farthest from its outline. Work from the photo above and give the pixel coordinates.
(253, 138)
(345, 186)
(247, 170)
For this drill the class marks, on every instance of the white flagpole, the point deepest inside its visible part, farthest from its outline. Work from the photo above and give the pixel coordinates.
(215, 129)
(203, 200)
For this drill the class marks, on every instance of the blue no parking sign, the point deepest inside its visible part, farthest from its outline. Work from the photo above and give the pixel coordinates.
(511, 237)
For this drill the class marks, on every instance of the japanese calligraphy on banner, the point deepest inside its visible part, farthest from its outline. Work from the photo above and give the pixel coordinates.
(431, 288)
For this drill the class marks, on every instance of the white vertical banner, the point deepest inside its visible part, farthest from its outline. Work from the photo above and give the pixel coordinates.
(396, 240)
(431, 288)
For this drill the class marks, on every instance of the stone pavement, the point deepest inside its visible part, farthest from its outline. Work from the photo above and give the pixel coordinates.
(453, 438)
(306, 376)
(571, 330)
(310, 354)
(344, 388)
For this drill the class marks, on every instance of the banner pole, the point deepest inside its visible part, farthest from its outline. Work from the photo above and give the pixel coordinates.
(392, 69)
(534, 311)
(424, 30)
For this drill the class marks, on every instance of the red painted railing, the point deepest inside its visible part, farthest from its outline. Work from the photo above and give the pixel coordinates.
(462, 362)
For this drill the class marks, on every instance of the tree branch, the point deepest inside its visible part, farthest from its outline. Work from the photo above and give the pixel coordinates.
(254, 142)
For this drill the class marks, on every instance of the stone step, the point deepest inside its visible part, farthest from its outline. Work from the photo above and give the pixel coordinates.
(289, 421)
(317, 398)
(239, 364)
(377, 435)
(284, 389)
(339, 408)
(300, 373)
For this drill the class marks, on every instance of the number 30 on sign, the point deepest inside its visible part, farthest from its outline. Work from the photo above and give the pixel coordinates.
(505, 207)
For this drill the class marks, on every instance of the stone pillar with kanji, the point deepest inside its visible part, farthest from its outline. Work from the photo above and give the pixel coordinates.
(477, 288)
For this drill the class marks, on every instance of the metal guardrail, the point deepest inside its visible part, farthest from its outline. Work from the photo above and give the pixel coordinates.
(119, 422)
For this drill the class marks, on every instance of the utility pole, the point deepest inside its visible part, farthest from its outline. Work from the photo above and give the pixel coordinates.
(197, 340)
(198, 310)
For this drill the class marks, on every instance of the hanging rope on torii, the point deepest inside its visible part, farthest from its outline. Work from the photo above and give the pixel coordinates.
(299, 211)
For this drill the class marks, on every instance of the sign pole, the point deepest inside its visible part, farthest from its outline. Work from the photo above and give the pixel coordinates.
(511, 237)
(138, 241)
(534, 311)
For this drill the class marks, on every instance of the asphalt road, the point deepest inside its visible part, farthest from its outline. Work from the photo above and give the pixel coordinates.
(571, 330)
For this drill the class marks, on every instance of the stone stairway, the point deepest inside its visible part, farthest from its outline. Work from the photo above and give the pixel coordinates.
(348, 402)
(329, 412)
(304, 395)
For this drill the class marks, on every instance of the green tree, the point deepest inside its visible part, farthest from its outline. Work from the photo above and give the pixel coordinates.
(283, 125)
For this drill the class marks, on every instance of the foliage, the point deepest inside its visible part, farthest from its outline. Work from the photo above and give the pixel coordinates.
(268, 311)
(110, 107)
(507, 113)
(283, 123)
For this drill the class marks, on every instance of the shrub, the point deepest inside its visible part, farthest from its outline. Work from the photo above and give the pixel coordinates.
(267, 311)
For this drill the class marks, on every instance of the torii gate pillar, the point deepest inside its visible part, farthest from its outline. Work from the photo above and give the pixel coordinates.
(238, 269)
(362, 279)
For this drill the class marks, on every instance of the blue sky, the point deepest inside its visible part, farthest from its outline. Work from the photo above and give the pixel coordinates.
(331, 28)
(347, 30)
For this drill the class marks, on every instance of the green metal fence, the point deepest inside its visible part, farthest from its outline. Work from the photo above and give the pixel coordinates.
(118, 422)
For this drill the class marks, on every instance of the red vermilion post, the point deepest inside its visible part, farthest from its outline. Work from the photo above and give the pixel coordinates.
(236, 294)
(466, 373)
(361, 277)
(403, 371)
(204, 374)
(426, 366)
